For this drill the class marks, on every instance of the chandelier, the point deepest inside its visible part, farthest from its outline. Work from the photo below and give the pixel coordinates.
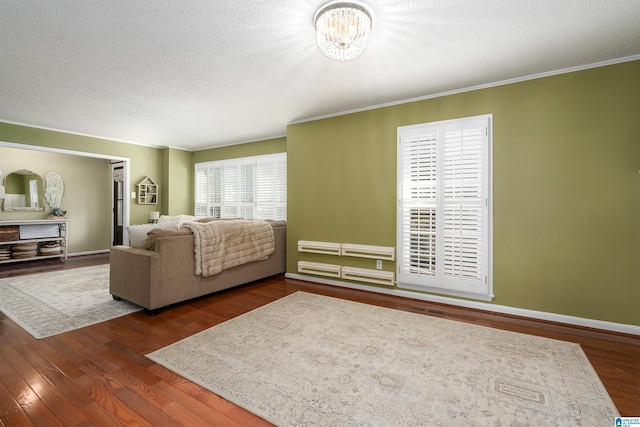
(343, 29)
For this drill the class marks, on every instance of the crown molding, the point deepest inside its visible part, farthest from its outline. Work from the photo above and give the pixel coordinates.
(473, 88)
(88, 135)
(284, 135)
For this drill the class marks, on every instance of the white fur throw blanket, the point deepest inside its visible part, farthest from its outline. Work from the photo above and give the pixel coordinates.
(220, 245)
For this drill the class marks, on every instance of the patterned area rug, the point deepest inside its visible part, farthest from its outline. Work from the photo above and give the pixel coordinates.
(51, 303)
(313, 360)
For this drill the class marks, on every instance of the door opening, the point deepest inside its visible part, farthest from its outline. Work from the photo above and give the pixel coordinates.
(118, 203)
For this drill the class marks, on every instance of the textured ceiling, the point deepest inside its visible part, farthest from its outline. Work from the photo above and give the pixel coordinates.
(202, 73)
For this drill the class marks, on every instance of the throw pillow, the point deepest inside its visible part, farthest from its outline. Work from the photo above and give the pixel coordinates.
(178, 219)
(165, 219)
(138, 233)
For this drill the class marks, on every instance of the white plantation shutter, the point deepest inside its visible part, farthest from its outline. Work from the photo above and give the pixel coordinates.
(201, 190)
(443, 206)
(250, 188)
(237, 191)
(271, 194)
(208, 195)
(215, 192)
(418, 224)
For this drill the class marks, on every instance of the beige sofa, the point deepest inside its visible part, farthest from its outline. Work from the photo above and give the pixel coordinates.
(166, 275)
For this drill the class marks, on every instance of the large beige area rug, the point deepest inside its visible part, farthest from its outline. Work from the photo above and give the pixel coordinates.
(310, 360)
(51, 303)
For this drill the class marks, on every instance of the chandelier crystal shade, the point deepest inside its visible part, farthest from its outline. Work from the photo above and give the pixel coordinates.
(343, 29)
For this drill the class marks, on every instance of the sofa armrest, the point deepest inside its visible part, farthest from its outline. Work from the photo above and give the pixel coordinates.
(178, 280)
(134, 275)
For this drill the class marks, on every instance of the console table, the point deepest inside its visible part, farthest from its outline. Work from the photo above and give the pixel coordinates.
(38, 232)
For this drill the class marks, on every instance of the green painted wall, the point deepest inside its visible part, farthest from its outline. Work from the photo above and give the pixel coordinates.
(566, 187)
(177, 182)
(163, 198)
(259, 148)
(86, 198)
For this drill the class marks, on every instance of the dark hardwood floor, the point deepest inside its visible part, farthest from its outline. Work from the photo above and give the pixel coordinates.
(99, 375)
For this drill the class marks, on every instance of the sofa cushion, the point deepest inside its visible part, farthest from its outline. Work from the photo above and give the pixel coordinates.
(156, 233)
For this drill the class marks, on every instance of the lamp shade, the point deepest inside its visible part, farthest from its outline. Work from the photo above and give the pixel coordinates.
(154, 215)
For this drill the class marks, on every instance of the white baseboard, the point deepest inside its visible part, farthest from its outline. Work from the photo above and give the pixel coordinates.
(101, 251)
(522, 312)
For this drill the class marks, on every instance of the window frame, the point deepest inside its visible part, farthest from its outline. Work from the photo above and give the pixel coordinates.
(481, 287)
(249, 203)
